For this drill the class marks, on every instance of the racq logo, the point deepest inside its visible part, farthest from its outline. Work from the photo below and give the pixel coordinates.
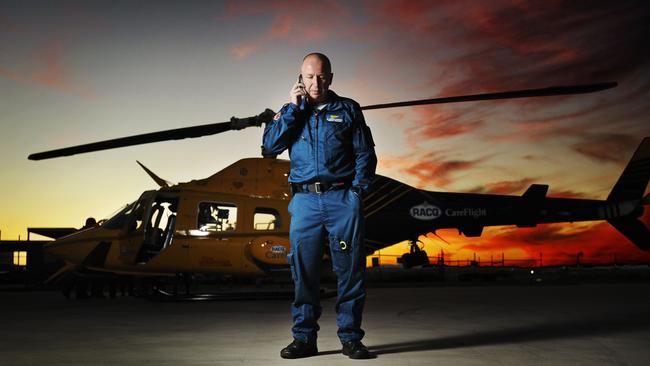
(278, 249)
(425, 211)
(276, 252)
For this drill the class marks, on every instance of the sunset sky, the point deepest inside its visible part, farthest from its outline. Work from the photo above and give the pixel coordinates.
(73, 72)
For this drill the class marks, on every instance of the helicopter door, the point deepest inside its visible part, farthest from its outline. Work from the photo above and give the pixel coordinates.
(159, 228)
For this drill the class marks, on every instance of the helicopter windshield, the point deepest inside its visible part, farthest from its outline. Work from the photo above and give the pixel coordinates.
(117, 220)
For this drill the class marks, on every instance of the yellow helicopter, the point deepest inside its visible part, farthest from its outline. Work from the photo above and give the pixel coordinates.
(236, 222)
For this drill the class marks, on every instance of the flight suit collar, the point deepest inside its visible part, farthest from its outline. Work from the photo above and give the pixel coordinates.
(333, 103)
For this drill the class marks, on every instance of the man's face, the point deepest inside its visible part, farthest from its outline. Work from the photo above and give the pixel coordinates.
(316, 78)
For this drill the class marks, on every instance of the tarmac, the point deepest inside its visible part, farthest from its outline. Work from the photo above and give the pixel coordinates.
(578, 324)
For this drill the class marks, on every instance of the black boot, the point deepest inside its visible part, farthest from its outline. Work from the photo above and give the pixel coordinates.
(356, 350)
(299, 349)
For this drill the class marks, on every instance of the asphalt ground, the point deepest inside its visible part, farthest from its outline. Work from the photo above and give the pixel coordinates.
(585, 324)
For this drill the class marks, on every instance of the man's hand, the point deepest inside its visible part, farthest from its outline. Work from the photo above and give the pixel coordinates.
(297, 92)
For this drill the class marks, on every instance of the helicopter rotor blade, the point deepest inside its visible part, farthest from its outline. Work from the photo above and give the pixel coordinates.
(267, 115)
(146, 138)
(542, 92)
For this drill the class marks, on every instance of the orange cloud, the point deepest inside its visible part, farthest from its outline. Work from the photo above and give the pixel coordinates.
(242, 51)
(49, 72)
(505, 187)
(433, 122)
(415, 17)
(559, 244)
(12, 75)
(436, 168)
(291, 21)
(7, 25)
(599, 243)
(282, 25)
(567, 194)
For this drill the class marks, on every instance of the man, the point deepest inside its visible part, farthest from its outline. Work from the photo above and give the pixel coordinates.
(332, 164)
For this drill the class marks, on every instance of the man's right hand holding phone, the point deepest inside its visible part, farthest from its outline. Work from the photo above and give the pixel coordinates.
(298, 91)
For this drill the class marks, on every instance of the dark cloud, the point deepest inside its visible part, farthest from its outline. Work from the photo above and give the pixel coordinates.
(605, 147)
(511, 46)
(474, 47)
(434, 123)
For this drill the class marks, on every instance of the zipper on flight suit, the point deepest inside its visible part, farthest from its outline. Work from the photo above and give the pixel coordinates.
(316, 110)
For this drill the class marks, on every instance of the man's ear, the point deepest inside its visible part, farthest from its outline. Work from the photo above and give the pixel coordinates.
(331, 77)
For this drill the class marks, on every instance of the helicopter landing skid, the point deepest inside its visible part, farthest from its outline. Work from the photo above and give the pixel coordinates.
(230, 295)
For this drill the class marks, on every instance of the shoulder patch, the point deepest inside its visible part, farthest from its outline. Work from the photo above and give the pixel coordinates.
(277, 116)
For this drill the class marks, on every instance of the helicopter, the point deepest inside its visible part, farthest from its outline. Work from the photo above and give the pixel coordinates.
(236, 221)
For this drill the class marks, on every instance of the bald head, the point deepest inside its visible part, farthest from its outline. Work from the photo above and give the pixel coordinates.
(316, 71)
(320, 57)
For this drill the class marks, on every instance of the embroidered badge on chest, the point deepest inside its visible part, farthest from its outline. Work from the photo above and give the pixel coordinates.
(334, 118)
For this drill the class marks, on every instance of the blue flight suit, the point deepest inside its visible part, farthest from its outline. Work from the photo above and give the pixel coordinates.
(332, 145)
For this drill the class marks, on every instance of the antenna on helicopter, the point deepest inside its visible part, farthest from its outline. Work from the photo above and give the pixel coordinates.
(161, 182)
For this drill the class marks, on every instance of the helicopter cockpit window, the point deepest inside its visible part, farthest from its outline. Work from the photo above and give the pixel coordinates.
(118, 220)
(135, 222)
(266, 219)
(215, 216)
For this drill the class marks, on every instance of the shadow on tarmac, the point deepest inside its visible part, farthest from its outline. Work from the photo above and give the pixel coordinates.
(334, 352)
(591, 326)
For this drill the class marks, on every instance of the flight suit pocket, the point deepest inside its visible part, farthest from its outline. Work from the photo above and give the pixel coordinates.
(356, 200)
(300, 154)
(342, 131)
(341, 255)
(339, 142)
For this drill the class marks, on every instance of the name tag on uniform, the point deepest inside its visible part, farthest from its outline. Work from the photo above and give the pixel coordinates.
(334, 118)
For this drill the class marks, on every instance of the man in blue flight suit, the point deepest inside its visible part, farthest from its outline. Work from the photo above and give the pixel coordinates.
(332, 164)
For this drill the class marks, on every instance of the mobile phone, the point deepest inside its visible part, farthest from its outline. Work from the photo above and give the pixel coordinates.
(304, 92)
